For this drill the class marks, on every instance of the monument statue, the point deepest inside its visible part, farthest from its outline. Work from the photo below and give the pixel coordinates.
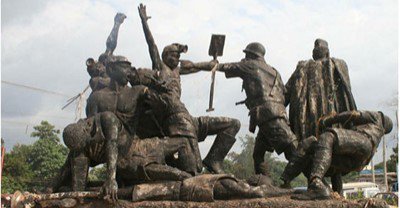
(342, 150)
(148, 141)
(318, 87)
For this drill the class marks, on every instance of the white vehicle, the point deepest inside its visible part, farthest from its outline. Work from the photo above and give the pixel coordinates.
(360, 190)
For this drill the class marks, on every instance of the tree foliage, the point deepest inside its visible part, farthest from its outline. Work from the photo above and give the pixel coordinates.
(17, 173)
(33, 167)
(98, 173)
(241, 164)
(391, 164)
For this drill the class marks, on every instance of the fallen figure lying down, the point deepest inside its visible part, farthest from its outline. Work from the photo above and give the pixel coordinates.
(201, 188)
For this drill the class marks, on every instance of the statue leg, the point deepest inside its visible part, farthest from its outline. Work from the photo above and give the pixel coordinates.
(337, 183)
(186, 156)
(226, 130)
(158, 172)
(277, 133)
(321, 163)
(260, 147)
(228, 188)
(167, 190)
(299, 160)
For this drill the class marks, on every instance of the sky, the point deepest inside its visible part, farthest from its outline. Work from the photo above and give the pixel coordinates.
(44, 44)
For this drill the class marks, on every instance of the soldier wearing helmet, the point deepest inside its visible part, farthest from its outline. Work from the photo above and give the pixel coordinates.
(265, 99)
(339, 151)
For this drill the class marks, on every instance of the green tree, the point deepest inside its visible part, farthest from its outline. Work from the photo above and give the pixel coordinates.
(33, 167)
(47, 155)
(17, 173)
(391, 164)
(98, 173)
(393, 161)
(241, 164)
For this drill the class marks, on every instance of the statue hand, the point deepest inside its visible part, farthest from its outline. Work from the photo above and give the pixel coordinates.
(110, 190)
(213, 63)
(325, 122)
(119, 18)
(143, 13)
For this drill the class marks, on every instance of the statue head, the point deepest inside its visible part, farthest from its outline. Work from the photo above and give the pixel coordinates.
(321, 49)
(94, 68)
(172, 53)
(75, 135)
(254, 50)
(119, 69)
(387, 123)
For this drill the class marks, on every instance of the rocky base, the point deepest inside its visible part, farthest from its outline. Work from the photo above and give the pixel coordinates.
(276, 202)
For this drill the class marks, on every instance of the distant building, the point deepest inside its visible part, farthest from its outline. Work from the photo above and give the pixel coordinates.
(366, 176)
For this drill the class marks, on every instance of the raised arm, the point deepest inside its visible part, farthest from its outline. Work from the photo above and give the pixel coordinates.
(153, 50)
(111, 43)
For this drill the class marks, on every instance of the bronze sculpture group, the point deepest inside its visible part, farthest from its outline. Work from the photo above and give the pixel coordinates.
(148, 140)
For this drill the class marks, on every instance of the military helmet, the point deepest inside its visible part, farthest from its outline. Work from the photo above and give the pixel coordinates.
(255, 48)
(118, 59)
(175, 47)
(387, 123)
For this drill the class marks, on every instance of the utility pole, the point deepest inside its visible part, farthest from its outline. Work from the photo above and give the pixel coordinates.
(384, 165)
(373, 170)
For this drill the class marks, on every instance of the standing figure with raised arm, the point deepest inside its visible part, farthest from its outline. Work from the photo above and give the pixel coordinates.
(96, 69)
(180, 122)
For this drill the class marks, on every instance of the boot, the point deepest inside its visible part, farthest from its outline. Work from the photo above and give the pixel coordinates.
(317, 190)
(220, 148)
(230, 189)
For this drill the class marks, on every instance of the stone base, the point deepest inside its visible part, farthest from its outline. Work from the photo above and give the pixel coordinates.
(276, 202)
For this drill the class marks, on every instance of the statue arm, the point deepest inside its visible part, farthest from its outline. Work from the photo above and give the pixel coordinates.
(111, 43)
(153, 50)
(229, 67)
(343, 118)
(188, 67)
(91, 107)
(288, 89)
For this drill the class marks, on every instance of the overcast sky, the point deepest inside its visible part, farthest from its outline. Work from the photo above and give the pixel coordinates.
(45, 44)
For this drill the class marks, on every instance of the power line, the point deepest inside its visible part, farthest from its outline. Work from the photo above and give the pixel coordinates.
(35, 88)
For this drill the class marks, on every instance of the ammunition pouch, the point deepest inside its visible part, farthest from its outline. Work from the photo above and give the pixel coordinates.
(265, 112)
